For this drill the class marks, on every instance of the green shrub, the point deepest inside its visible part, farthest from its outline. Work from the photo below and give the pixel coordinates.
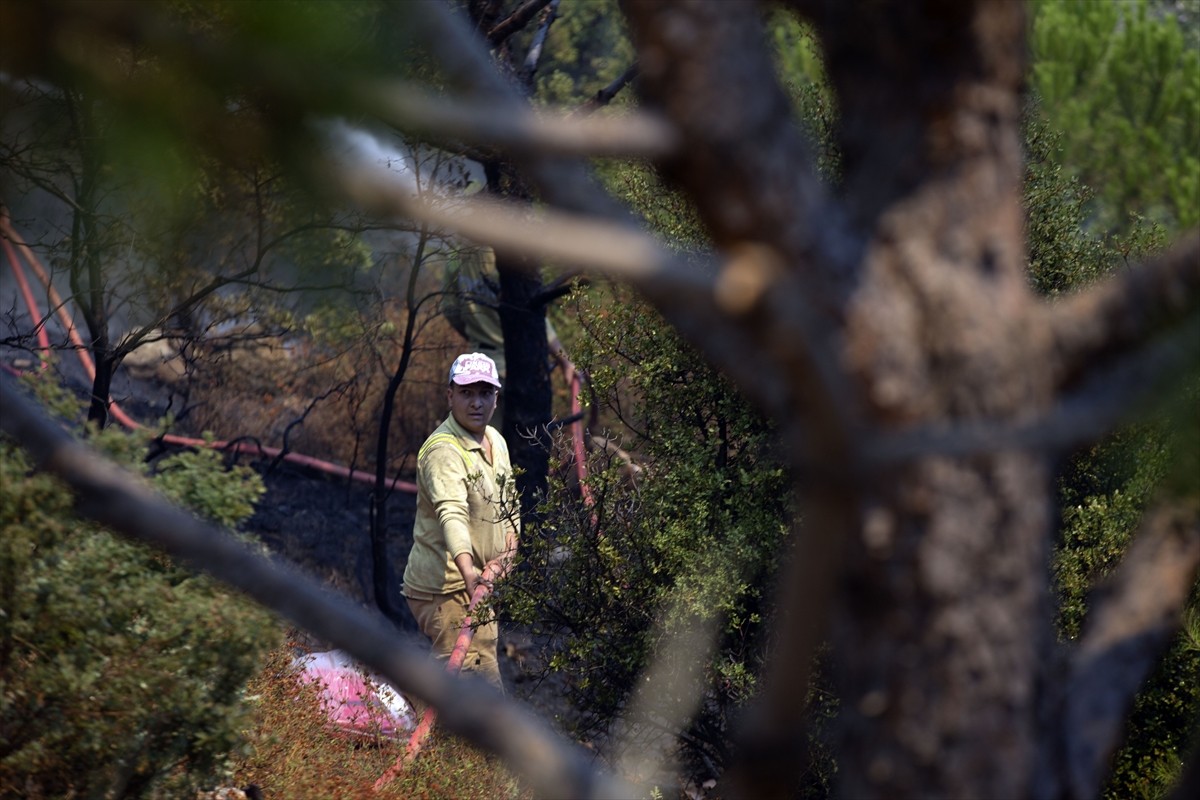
(196, 479)
(1122, 80)
(696, 542)
(121, 675)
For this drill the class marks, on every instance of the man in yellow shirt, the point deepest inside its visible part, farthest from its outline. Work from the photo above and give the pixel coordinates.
(467, 515)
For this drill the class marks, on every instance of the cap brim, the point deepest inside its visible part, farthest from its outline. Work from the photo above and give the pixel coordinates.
(468, 378)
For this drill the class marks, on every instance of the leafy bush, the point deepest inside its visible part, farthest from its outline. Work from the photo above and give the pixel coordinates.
(121, 674)
(695, 544)
(1125, 84)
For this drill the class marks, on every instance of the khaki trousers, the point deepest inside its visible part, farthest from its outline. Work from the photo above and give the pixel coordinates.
(440, 616)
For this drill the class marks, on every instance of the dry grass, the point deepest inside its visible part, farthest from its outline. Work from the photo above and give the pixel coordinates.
(292, 754)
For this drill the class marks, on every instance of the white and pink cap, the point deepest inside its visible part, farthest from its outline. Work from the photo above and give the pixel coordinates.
(474, 368)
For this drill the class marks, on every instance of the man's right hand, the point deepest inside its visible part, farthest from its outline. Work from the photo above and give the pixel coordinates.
(466, 567)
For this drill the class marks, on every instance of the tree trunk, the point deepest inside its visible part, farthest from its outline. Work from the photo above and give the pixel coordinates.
(527, 402)
(942, 631)
(527, 389)
(941, 621)
(945, 622)
(101, 385)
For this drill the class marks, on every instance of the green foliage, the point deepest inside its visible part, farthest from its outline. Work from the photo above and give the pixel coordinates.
(795, 48)
(121, 675)
(1120, 80)
(196, 479)
(1064, 253)
(664, 209)
(1104, 491)
(587, 49)
(323, 250)
(801, 71)
(696, 541)
(339, 326)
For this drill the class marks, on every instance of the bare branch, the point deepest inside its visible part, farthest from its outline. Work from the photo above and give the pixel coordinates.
(112, 497)
(711, 312)
(1133, 620)
(1092, 327)
(611, 248)
(671, 687)
(286, 448)
(605, 96)
(135, 338)
(1084, 416)
(516, 21)
(772, 740)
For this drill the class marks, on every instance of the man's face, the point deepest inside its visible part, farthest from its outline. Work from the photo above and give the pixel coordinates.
(472, 405)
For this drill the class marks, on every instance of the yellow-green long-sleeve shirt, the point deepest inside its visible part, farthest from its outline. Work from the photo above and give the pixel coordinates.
(464, 505)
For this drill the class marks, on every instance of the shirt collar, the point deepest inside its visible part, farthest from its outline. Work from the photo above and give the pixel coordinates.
(468, 441)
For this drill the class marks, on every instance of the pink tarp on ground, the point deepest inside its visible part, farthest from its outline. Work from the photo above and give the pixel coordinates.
(355, 701)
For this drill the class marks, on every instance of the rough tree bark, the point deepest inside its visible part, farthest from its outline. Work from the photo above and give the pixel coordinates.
(527, 404)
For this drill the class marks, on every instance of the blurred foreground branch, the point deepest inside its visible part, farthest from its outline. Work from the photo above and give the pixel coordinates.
(1136, 615)
(517, 129)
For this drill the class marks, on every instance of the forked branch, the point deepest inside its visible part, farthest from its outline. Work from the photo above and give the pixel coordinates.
(1093, 328)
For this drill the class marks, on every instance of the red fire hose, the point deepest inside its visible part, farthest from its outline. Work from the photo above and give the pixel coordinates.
(43, 337)
(577, 444)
